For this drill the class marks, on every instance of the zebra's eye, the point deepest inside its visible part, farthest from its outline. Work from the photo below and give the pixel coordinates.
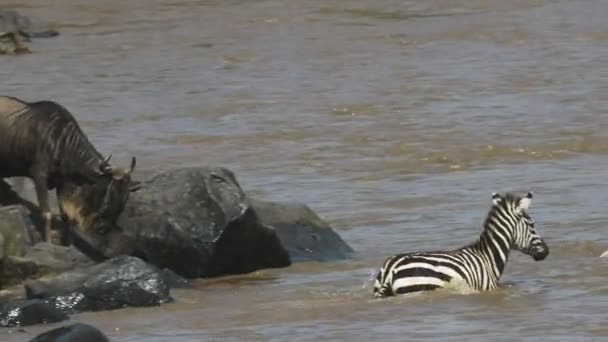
(532, 223)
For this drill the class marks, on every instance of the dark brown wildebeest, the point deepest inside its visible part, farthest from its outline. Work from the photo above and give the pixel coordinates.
(42, 141)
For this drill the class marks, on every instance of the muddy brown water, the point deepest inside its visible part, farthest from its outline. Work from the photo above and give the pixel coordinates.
(394, 120)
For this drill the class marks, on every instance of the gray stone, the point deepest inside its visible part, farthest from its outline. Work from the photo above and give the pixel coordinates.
(196, 222)
(306, 236)
(29, 312)
(116, 283)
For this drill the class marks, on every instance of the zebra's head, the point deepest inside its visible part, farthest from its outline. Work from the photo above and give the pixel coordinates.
(514, 210)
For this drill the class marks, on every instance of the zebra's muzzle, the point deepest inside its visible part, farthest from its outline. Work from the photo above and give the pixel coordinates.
(540, 251)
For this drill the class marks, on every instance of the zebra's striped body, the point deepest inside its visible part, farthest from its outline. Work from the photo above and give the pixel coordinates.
(479, 265)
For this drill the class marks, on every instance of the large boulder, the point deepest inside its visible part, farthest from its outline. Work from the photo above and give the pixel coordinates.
(196, 222)
(29, 312)
(77, 332)
(116, 283)
(16, 29)
(306, 236)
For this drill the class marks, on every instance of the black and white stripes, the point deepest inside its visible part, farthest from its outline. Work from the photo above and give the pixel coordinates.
(480, 264)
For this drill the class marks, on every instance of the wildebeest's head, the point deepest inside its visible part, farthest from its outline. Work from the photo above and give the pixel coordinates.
(95, 207)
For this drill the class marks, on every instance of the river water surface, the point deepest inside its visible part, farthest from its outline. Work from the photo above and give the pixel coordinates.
(394, 120)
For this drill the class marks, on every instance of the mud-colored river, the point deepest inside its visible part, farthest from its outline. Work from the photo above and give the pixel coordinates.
(394, 120)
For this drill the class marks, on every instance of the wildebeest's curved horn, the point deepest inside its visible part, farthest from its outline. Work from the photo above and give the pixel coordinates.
(105, 167)
(107, 159)
(133, 162)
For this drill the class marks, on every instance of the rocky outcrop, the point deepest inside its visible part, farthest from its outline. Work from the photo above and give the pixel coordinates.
(77, 332)
(29, 312)
(305, 236)
(120, 282)
(16, 29)
(199, 223)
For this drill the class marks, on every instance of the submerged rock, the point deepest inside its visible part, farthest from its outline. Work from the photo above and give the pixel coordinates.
(77, 332)
(302, 232)
(16, 29)
(29, 312)
(116, 283)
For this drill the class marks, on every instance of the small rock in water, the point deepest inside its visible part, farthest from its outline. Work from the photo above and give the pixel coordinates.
(117, 283)
(29, 312)
(78, 332)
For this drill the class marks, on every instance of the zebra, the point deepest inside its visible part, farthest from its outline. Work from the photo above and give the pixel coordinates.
(480, 264)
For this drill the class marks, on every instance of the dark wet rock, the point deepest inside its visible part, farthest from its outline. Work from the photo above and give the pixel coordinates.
(306, 236)
(196, 222)
(116, 283)
(42, 259)
(16, 29)
(29, 312)
(77, 332)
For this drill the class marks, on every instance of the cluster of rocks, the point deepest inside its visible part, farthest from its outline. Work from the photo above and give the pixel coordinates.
(180, 224)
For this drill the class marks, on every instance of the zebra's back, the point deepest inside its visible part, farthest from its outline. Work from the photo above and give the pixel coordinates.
(414, 272)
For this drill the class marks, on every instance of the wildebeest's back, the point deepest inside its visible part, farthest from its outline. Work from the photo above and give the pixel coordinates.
(46, 133)
(13, 160)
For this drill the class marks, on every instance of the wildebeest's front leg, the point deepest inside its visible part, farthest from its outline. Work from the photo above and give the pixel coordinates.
(42, 193)
(66, 226)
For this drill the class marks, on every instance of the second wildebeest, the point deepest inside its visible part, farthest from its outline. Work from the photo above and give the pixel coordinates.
(42, 140)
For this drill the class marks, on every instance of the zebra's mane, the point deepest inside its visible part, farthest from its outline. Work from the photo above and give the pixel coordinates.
(506, 201)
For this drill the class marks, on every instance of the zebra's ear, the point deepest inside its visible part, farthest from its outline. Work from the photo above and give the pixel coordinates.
(496, 198)
(524, 203)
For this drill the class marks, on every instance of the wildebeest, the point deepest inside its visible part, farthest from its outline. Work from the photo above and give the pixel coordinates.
(42, 140)
(94, 208)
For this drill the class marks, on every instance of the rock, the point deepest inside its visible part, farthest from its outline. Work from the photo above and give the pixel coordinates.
(40, 260)
(77, 332)
(605, 254)
(16, 29)
(116, 283)
(196, 222)
(17, 233)
(302, 232)
(18, 230)
(29, 312)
